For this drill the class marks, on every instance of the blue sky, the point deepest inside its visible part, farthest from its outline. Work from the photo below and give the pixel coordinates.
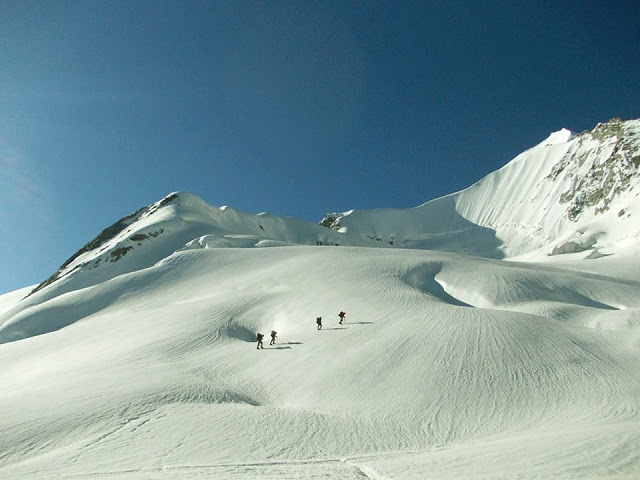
(295, 108)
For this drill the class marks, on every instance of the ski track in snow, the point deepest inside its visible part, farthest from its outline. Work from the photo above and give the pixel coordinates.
(273, 469)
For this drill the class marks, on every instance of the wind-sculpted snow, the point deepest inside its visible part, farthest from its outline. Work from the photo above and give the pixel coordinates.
(448, 366)
(424, 278)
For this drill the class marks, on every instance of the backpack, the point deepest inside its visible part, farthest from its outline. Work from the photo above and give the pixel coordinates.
(260, 336)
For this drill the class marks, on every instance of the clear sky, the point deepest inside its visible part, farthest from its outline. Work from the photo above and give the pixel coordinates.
(295, 108)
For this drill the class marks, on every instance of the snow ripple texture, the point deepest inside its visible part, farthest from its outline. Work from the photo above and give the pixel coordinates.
(447, 366)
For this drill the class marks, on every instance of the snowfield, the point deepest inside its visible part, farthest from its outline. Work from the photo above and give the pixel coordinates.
(500, 341)
(447, 366)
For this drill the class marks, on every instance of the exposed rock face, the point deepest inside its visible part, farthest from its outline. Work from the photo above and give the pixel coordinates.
(108, 235)
(331, 220)
(604, 164)
(103, 237)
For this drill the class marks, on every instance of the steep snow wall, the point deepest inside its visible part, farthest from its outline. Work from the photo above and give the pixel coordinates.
(576, 192)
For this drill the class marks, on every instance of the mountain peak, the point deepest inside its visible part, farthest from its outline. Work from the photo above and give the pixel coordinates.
(561, 136)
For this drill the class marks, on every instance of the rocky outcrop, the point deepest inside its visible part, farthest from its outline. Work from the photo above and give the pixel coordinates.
(331, 220)
(102, 242)
(604, 164)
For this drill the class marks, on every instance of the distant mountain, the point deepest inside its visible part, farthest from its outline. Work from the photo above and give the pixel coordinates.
(570, 193)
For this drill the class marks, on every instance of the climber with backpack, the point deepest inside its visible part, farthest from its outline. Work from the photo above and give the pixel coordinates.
(259, 337)
(341, 315)
(319, 322)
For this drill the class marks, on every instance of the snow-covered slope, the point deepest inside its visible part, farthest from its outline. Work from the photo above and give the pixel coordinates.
(569, 193)
(448, 366)
(180, 221)
(137, 359)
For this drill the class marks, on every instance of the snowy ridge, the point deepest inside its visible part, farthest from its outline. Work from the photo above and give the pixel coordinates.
(181, 220)
(533, 205)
